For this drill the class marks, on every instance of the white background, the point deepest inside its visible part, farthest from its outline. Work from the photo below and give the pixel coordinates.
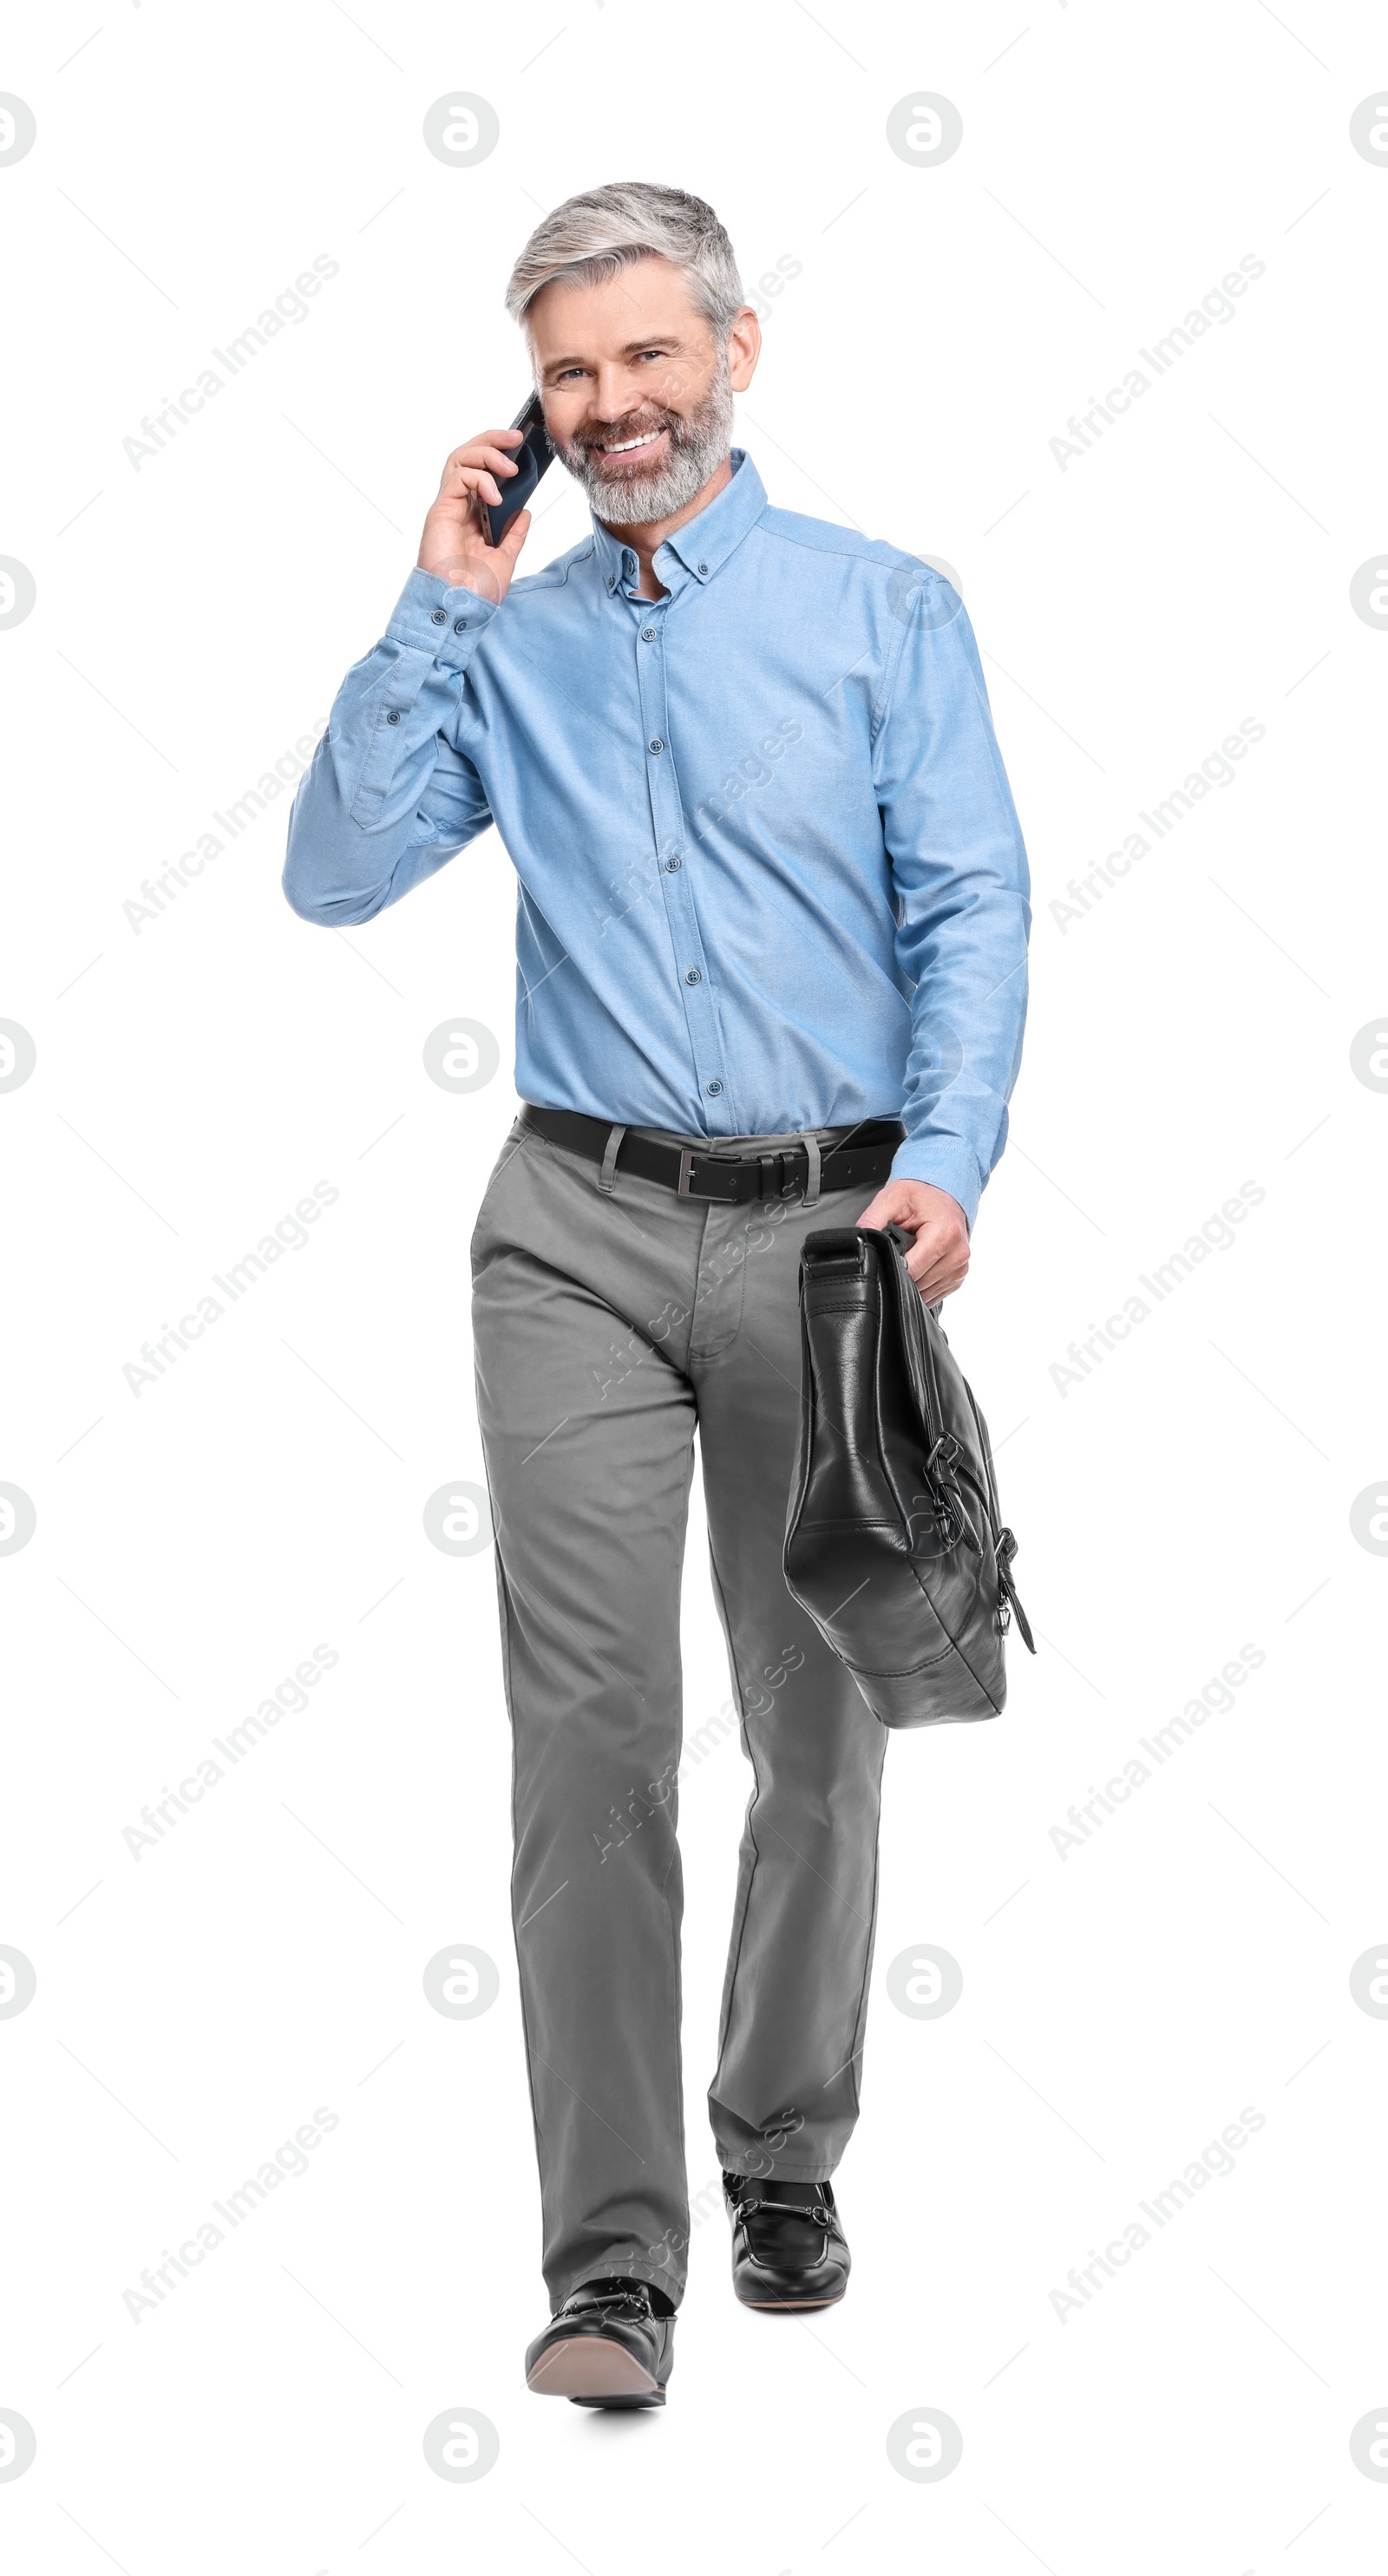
(197, 1074)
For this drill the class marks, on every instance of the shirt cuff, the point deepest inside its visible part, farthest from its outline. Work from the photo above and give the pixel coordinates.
(945, 1165)
(430, 618)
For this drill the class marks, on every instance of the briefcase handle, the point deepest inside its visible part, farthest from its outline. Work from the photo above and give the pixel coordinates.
(847, 1243)
(845, 1247)
(832, 1246)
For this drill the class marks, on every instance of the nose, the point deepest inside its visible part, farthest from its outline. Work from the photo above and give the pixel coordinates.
(615, 398)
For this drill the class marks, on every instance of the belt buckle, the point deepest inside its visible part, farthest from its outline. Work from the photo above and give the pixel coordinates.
(684, 1186)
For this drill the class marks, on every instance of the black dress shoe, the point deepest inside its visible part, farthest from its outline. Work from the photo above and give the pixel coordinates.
(608, 2346)
(788, 2247)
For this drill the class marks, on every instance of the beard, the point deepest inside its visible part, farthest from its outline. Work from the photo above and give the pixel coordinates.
(625, 491)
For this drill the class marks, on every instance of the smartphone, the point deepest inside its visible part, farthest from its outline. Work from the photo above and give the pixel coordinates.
(532, 458)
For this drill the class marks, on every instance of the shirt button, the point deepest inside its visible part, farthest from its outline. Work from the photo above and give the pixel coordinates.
(458, 624)
(703, 567)
(438, 617)
(612, 581)
(693, 976)
(671, 865)
(648, 634)
(394, 716)
(655, 744)
(713, 1089)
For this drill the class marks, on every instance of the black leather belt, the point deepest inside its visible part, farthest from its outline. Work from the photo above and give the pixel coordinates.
(697, 1171)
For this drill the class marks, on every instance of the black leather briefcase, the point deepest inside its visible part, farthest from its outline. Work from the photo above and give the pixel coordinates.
(894, 1541)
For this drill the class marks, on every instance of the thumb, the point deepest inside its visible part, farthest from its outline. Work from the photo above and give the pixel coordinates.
(888, 1209)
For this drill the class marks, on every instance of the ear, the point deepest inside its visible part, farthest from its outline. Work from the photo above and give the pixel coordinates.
(744, 349)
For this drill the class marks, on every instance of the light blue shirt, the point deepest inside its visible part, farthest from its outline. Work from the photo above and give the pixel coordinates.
(771, 874)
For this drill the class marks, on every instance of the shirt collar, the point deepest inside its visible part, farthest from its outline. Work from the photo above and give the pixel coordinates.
(705, 542)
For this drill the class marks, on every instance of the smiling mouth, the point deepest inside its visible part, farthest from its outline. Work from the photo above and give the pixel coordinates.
(632, 446)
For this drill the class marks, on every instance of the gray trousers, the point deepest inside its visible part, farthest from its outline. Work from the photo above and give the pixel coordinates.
(608, 1323)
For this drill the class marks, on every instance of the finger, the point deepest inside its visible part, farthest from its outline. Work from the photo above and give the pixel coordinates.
(926, 1274)
(476, 476)
(495, 457)
(465, 460)
(930, 1245)
(943, 1283)
(930, 1263)
(477, 483)
(488, 438)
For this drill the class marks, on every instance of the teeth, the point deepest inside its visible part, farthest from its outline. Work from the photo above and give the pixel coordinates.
(628, 443)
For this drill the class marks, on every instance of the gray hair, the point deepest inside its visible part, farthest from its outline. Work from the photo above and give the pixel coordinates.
(593, 237)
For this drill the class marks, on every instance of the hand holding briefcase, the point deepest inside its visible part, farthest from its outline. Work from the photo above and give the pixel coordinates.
(895, 1543)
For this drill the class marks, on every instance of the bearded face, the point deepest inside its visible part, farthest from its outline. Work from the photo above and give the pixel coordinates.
(650, 464)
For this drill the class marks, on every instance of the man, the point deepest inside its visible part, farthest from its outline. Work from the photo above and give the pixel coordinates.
(771, 937)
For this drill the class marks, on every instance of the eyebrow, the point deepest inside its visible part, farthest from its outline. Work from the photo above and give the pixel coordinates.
(652, 340)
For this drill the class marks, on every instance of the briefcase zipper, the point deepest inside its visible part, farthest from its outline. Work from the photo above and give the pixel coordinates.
(941, 1468)
(1004, 1543)
(1006, 1549)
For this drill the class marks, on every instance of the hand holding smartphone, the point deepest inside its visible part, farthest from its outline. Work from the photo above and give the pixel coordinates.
(532, 459)
(470, 541)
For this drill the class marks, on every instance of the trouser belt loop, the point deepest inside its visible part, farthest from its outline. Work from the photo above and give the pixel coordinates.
(607, 1177)
(811, 1145)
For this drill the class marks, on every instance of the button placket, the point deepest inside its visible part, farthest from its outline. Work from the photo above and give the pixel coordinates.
(707, 1067)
